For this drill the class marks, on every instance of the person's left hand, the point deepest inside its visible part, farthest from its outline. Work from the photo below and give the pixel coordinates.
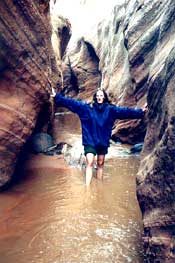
(53, 92)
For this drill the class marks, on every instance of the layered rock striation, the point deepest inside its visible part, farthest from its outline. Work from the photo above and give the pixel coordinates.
(135, 51)
(131, 55)
(81, 70)
(27, 71)
(155, 180)
(103, 59)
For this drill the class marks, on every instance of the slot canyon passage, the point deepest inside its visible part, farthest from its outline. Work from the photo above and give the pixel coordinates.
(47, 213)
(51, 216)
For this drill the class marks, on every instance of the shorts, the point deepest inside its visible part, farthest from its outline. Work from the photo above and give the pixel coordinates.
(99, 150)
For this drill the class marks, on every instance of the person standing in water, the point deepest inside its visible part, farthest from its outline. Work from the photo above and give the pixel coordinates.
(97, 119)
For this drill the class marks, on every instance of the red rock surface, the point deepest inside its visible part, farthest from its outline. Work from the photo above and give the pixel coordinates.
(27, 70)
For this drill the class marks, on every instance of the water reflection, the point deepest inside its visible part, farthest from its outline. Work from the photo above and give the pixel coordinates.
(52, 217)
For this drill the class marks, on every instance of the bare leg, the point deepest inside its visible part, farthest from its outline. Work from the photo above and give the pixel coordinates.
(89, 167)
(100, 165)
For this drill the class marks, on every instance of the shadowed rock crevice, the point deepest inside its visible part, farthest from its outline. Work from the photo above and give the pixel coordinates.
(92, 52)
(70, 80)
(81, 70)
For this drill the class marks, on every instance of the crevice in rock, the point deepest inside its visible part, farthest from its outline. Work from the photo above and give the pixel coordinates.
(117, 26)
(92, 52)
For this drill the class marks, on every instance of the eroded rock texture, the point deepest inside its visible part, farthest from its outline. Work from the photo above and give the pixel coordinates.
(27, 70)
(61, 34)
(135, 50)
(81, 70)
(156, 177)
(103, 59)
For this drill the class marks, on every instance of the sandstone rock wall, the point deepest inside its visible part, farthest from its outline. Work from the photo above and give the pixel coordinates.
(125, 46)
(132, 56)
(27, 70)
(156, 181)
(61, 34)
(81, 70)
(109, 66)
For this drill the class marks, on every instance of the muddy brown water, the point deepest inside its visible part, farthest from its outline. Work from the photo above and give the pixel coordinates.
(52, 217)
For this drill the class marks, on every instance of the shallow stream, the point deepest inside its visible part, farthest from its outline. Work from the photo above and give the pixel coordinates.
(52, 217)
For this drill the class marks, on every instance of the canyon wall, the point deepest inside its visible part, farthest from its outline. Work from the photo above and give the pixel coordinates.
(27, 71)
(103, 58)
(130, 54)
(155, 180)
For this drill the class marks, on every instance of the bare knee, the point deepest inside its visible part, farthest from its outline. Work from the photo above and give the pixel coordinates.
(89, 160)
(100, 163)
(90, 164)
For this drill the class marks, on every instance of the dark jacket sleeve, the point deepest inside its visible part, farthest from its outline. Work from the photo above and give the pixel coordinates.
(126, 113)
(73, 105)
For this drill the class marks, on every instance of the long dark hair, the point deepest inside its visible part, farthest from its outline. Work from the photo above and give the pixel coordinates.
(106, 99)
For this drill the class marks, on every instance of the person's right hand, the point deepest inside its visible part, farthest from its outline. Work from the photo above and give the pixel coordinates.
(53, 92)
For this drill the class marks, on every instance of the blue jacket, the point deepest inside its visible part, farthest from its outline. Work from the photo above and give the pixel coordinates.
(97, 120)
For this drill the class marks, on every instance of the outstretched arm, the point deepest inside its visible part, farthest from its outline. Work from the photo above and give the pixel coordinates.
(127, 113)
(73, 105)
